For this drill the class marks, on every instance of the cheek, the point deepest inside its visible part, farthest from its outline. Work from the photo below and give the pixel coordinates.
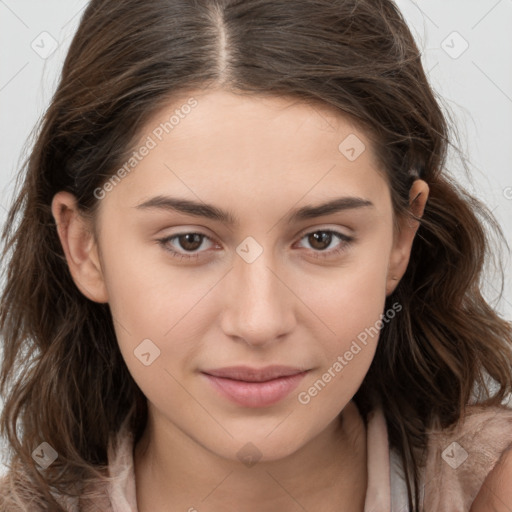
(350, 314)
(351, 307)
(348, 299)
(350, 303)
(155, 306)
(146, 293)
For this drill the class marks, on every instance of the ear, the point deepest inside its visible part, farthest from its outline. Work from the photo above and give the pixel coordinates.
(80, 248)
(404, 236)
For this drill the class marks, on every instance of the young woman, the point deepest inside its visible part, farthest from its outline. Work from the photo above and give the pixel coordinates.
(239, 276)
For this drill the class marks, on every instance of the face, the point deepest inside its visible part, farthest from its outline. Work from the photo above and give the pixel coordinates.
(255, 275)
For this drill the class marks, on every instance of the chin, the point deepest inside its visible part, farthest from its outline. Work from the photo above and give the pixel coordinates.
(250, 447)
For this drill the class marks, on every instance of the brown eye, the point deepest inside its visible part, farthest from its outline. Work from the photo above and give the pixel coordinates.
(190, 241)
(184, 243)
(320, 240)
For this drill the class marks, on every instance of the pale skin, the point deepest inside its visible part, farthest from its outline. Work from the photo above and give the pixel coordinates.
(260, 159)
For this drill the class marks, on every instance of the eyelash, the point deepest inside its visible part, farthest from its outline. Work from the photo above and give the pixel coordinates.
(347, 241)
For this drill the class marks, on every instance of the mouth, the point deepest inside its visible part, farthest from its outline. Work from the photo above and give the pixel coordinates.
(253, 387)
(248, 374)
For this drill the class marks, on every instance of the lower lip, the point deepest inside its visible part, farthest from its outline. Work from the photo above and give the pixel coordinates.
(256, 394)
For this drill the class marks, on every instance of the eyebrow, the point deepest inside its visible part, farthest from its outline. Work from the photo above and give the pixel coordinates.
(212, 212)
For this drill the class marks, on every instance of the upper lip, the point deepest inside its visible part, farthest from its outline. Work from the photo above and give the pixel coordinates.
(246, 373)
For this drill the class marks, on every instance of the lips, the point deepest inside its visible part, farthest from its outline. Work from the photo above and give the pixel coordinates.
(251, 387)
(248, 374)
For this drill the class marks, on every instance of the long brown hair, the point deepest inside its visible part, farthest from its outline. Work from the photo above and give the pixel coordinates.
(63, 377)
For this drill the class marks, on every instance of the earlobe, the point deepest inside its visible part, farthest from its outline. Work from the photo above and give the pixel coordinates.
(79, 246)
(404, 237)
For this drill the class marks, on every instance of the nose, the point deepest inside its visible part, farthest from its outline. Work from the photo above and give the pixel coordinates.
(259, 306)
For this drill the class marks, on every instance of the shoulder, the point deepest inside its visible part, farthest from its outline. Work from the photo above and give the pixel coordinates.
(460, 458)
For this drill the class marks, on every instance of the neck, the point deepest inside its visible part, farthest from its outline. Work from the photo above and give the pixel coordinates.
(329, 473)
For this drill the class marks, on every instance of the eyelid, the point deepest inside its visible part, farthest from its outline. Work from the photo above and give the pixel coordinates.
(185, 230)
(337, 229)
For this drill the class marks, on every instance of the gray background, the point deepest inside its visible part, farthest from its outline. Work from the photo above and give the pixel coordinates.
(467, 53)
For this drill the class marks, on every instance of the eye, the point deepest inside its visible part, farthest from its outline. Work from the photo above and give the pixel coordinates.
(321, 239)
(191, 242)
(187, 241)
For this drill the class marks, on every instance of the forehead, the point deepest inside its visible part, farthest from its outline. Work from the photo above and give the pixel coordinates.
(266, 148)
(274, 123)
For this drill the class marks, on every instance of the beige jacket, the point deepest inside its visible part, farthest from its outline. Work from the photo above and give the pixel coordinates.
(457, 464)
